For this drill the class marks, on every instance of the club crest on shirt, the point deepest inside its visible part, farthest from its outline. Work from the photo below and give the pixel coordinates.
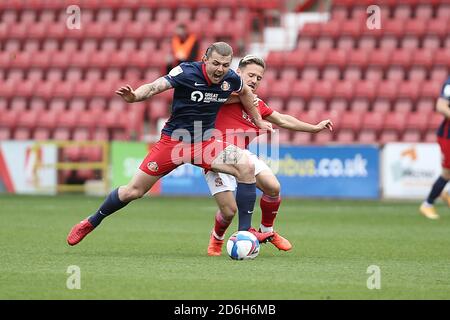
(225, 86)
(152, 166)
(218, 182)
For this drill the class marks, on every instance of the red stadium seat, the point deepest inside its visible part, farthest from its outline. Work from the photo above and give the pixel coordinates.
(48, 120)
(373, 121)
(28, 119)
(381, 106)
(395, 121)
(404, 106)
(311, 30)
(416, 121)
(317, 104)
(68, 119)
(345, 136)
(352, 74)
(338, 105)
(317, 59)
(431, 89)
(62, 134)
(9, 119)
(301, 138)
(417, 74)
(331, 73)
(294, 106)
(323, 138)
(411, 136)
(337, 58)
(425, 107)
(366, 136)
(365, 89)
(387, 90)
(310, 74)
(275, 103)
(346, 43)
(395, 74)
(302, 89)
(323, 89)
(401, 57)
(388, 136)
(359, 105)
(158, 109)
(374, 74)
(409, 89)
(437, 27)
(351, 120)
(344, 89)
(288, 75)
(41, 134)
(22, 134)
(359, 58)
(430, 136)
(434, 121)
(380, 58)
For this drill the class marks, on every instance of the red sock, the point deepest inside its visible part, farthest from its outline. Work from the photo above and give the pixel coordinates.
(220, 226)
(269, 207)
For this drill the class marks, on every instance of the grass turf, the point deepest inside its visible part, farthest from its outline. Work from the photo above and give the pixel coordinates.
(156, 249)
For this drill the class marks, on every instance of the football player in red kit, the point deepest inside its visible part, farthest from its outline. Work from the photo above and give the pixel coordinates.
(238, 127)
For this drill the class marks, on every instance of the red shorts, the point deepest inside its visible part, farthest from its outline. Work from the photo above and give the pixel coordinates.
(445, 150)
(167, 154)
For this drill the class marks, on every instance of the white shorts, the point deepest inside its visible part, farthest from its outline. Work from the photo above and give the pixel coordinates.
(219, 182)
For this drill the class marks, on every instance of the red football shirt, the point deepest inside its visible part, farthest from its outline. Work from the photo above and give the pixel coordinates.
(236, 126)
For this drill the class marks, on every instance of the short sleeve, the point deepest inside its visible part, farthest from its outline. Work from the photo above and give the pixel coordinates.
(445, 93)
(236, 82)
(176, 76)
(264, 109)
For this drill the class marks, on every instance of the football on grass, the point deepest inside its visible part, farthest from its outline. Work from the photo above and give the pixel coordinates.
(243, 245)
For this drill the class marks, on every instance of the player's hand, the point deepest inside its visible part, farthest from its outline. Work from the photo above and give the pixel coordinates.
(325, 124)
(256, 101)
(127, 93)
(264, 125)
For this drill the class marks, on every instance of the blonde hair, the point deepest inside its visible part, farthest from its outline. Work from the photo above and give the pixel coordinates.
(251, 59)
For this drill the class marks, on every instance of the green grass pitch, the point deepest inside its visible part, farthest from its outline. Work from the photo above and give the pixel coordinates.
(155, 248)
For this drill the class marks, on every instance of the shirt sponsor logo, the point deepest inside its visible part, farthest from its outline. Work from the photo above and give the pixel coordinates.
(207, 97)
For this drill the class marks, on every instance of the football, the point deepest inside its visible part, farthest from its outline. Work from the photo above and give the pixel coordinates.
(242, 245)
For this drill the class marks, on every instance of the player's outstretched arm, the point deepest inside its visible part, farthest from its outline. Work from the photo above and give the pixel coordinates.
(247, 98)
(443, 106)
(145, 91)
(289, 122)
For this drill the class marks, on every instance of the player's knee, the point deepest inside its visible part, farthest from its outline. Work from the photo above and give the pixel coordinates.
(446, 174)
(130, 193)
(228, 211)
(272, 189)
(246, 169)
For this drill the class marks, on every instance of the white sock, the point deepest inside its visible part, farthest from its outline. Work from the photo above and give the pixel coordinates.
(426, 204)
(217, 237)
(265, 229)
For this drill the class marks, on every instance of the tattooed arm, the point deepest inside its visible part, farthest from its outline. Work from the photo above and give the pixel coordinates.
(145, 91)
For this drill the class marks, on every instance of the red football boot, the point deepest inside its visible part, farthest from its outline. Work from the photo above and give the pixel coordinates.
(262, 237)
(79, 231)
(215, 246)
(280, 242)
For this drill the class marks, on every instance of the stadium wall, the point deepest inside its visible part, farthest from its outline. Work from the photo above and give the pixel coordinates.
(398, 170)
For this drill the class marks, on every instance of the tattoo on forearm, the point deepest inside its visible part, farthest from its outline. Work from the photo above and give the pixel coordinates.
(148, 90)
